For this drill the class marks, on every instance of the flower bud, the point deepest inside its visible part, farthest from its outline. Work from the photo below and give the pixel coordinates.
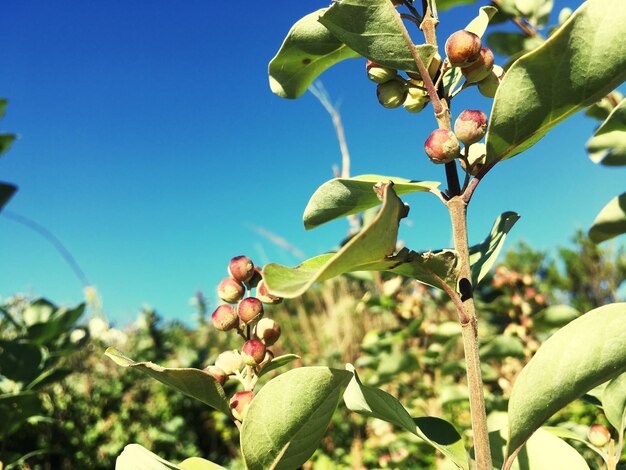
(392, 94)
(416, 99)
(217, 373)
(463, 48)
(442, 146)
(489, 85)
(598, 435)
(470, 126)
(239, 404)
(477, 156)
(229, 361)
(230, 290)
(378, 73)
(253, 352)
(249, 309)
(264, 295)
(481, 68)
(241, 268)
(268, 331)
(225, 318)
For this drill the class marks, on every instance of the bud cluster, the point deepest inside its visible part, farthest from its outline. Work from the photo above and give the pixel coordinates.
(245, 315)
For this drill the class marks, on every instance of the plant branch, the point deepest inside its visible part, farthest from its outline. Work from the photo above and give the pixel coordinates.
(458, 215)
(452, 177)
(413, 10)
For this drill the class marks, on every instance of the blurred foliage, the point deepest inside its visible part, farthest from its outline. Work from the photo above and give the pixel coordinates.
(402, 336)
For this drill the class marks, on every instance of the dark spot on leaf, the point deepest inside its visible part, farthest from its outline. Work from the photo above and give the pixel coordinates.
(306, 61)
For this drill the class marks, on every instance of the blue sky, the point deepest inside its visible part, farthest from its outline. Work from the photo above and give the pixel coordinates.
(151, 146)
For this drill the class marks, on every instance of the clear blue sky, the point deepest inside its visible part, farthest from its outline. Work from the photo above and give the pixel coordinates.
(150, 145)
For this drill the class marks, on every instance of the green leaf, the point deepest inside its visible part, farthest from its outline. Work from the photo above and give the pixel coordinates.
(376, 403)
(568, 434)
(6, 192)
(374, 243)
(136, 457)
(484, 255)
(555, 316)
(196, 463)
(20, 361)
(608, 144)
(289, 416)
(307, 51)
(371, 28)
(611, 221)
(341, 197)
(579, 64)
(6, 140)
(16, 408)
(277, 362)
(502, 346)
(543, 450)
(60, 322)
(443, 5)
(601, 109)
(536, 12)
(478, 25)
(192, 382)
(3, 107)
(585, 353)
(614, 402)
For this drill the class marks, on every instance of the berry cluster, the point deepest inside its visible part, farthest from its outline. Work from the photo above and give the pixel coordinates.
(246, 318)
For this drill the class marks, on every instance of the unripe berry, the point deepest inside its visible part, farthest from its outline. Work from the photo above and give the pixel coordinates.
(253, 352)
(598, 435)
(392, 94)
(229, 361)
(217, 373)
(470, 126)
(239, 404)
(442, 146)
(241, 268)
(463, 48)
(268, 331)
(264, 295)
(477, 156)
(481, 68)
(249, 309)
(230, 290)
(378, 73)
(416, 100)
(489, 85)
(225, 318)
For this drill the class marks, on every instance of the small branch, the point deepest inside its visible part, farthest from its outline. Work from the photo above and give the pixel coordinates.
(468, 167)
(413, 10)
(411, 18)
(454, 297)
(452, 177)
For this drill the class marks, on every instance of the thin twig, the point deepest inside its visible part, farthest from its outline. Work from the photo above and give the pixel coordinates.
(411, 18)
(413, 10)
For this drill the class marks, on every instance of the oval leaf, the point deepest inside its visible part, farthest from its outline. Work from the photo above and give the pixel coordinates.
(478, 25)
(288, 417)
(370, 27)
(614, 402)
(192, 382)
(341, 197)
(611, 221)
(136, 457)
(196, 463)
(502, 346)
(307, 51)
(608, 144)
(583, 354)
(555, 316)
(580, 63)
(277, 362)
(374, 243)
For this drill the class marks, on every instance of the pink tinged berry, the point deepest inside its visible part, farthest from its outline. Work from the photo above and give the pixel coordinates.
(599, 435)
(268, 331)
(239, 404)
(249, 310)
(480, 69)
(241, 268)
(263, 294)
(463, 48)
(230, 290)
(470, 126)
(217, 373)
(225, 318)
(378, 73)
(253, 352)
(442, 146)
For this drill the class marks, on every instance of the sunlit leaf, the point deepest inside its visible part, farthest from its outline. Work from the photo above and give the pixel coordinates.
(341, 197)
(580, 63)
(555, 316)
(502, 346)
(444, 5)
(608, 144)
(484, 255)
(277, 362)
(585, 353)
(197, 463)
(611, 221)
(289, 416)
(370, 28)
(478, 25)
(192, 382)
(614, 402)
(307, 51)
(136, 457)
